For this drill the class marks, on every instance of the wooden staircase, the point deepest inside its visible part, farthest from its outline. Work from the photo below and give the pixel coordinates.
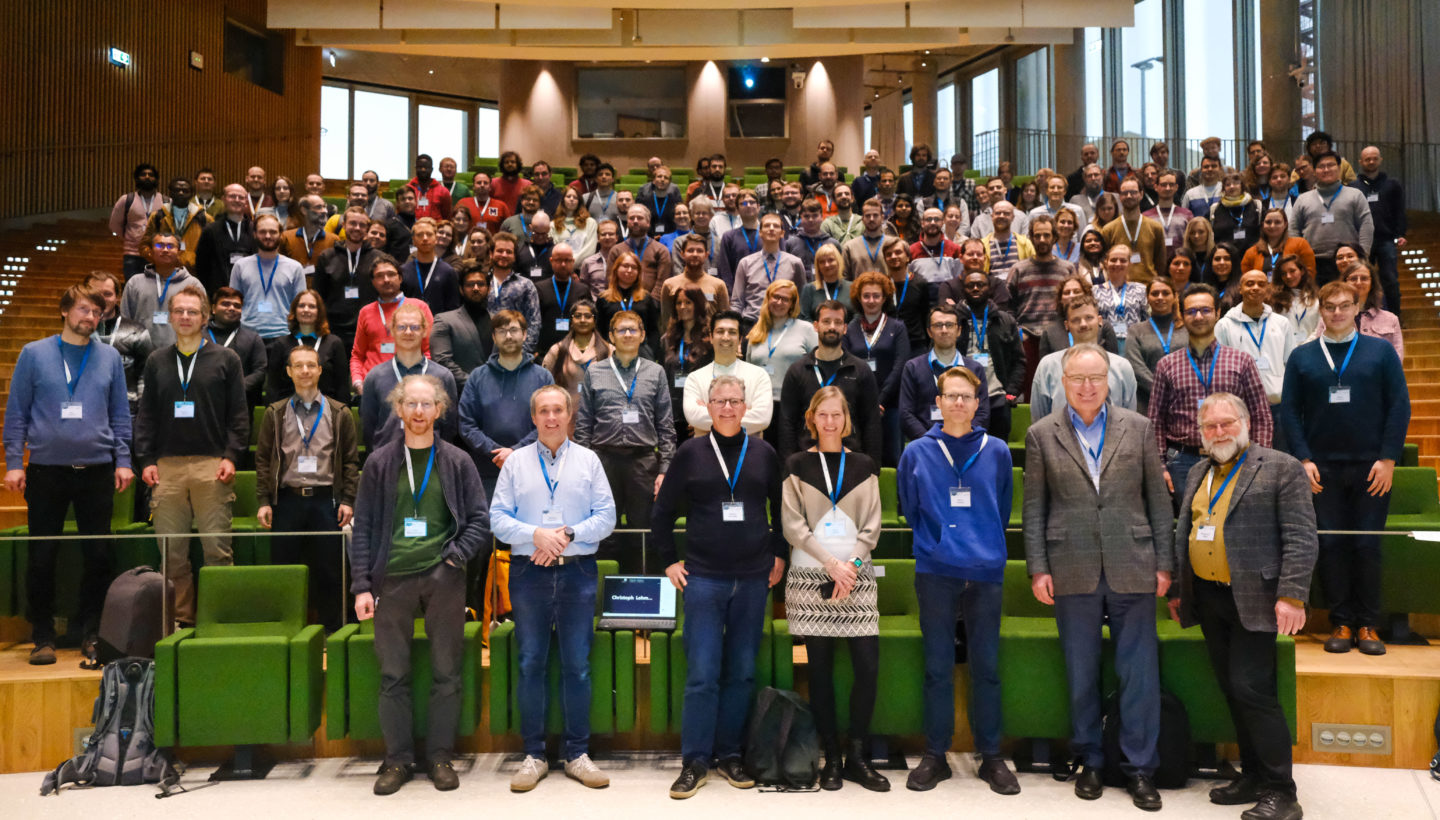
(1420, 298)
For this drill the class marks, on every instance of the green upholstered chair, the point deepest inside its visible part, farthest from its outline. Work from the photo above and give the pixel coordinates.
(249, 671)
(352, 681)
(1414, 500)
(337, 201)
(890, 515)
(612, 675)
(466, 177)
(1186, 672)
(668, 668)
(632, 187)
(570, 171)
(1410, 457)
(1019, 425)
(1035, 702)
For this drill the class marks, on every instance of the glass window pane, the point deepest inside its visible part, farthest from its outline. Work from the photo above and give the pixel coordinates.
(1259, 107)
(985, 121)
(335, 132)
(489, 122)
(384, 150)
(867, 132)
(1032, 112)
(945, 127)
(1094, 82)
(907, 116)
(1209, 77)
(1142, 75)
(442, 134)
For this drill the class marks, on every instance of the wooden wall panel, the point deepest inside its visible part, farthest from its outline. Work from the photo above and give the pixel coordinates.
(74, 125)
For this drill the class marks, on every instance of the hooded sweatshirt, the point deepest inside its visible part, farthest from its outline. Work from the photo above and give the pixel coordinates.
(958, 542)
(1268, 340)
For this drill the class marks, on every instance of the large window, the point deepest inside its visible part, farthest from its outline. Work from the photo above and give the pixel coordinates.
(1032, 109)
(907, 116)
(1142, 74)
(334, 132)
(382, 134)
(442, 133)
(945, 125)
(1094, 82)
(489, 126)
(1209, 76)
(364, 128)
(867, 129)
(630, 103)
(985, 121)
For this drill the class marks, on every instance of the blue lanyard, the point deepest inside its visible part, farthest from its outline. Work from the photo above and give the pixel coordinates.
(628, 304)
(195, 357)
(825, 382)
(1331, 200)
(826, 288)
(1095, 452)
(1274, 257)
(752, 244)
(166, 289)
(1165, 344)
(425, 482)
(525, 226)
(769, 274)
(69, 384)
(839, 480)
(964, 468)
(872, 250)
(904, 290)
(1009, 243)
(1348, 353)
(606, 206)
(771, 342)
(568, 283)
(550, 485)
(640, 251)
(260, 269)
(1195, 365)
(1215, 499)
(682, 354)
(300, 339)
(629, 394)
(735, 476)
(938, 256)
(980, 330)
(1259, 343)
(320, 411)
(934, 361)
(659, 209)
(811, 245)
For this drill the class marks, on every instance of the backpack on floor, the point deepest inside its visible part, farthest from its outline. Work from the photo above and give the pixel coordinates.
(1173, 746)
(133, 619)
(782, 747)
(121, 751)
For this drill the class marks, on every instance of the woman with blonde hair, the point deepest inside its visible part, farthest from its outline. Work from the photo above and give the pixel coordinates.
(830, 283)
(778, 340)
(831, 517)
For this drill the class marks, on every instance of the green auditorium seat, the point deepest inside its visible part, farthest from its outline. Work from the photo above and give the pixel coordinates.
(249, 671)
(337, 202)
(612, 676)
(1410, 457)
(1035, 701)
(1019, 425)
(466, 177)
(633, 179)
(1414, 500)
(570, 171)
(668, 668)
(632, 187)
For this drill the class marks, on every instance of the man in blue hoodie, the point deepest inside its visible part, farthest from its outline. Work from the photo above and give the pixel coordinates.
(955, 490)
(495, 407)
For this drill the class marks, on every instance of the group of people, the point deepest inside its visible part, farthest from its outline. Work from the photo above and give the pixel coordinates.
(847, 320)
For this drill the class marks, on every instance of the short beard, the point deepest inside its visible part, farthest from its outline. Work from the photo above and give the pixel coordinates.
(1221, 453)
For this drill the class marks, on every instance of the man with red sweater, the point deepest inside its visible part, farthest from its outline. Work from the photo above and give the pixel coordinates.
(507, 186)
(431, 197)
(373, 342)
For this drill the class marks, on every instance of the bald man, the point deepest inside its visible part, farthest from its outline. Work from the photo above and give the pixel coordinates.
(532, 258)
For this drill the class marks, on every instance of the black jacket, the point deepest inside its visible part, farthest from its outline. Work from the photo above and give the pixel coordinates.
(212, 258)
(854, 380)
(1388, 209)
(1003, 343)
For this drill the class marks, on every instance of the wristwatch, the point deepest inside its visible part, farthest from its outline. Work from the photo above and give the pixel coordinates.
(859, 563)
(570, 533)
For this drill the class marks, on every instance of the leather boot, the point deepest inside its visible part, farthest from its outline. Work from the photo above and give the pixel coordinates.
(859, 770)
(831, 777)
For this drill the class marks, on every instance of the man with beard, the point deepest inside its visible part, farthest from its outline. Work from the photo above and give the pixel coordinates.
(511, 290)
(596, 270)
(268, 281)
(147, 299)
(712, 186)
(132, 213)
(993, 341)
(602, 201)
(934, 258)
(824, 190)
(585, 183)
(226, 330)
(428, 276)
(826, 365)
(460, 340)
(1076, 182)
(485, 210)
(540, 181)
(315, 186)
(307, 242)
(1144, 236)
(742, 240)
(494, 407)
(431, 197)
(844, 224)
(655, 264)
(867, 181)
(533, 257)
(374, 343)
(181, 217)
(862, 253)
(342, 275)
(397, 230)
(507, 186)
(129, 338)
(919, 181)
(1004, 248)
(1093, 181)
(376, 206)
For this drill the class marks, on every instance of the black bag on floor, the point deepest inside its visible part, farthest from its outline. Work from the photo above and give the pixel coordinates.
(782, 747)
(1173, 746)
(121, 751)
(133, 620)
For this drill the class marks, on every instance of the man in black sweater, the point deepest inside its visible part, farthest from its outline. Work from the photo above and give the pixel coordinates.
(342, 276)
(728, 485)
(826, 365)
(225, 330)
(192, 427)
(225, 241)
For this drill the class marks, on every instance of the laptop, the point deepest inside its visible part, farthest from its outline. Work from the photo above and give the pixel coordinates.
(638, 602)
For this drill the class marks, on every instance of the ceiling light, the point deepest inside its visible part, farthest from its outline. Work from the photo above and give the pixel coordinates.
(764, 59)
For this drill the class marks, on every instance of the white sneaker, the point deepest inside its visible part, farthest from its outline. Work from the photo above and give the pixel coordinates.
(528, 776)
(584, 770)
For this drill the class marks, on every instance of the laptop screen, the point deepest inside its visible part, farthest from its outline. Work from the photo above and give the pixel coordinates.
(639, 596)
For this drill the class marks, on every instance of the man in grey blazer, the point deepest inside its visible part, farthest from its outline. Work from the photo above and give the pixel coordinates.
(461, 338)
(1246, 545)
(1098, 543)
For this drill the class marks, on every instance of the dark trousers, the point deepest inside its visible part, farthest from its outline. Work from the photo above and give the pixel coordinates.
(631, 471)
(559, 600)
(1244, 664)
(999, 418)
(941, 598)
(865, 661)
(49, 492)
(1325, 270)
(894, 443)
(1349, 565)
(1280, 442)
(1387, 264)
(1131, 618)
(440, 592)
(322, 554)
(1031, 345)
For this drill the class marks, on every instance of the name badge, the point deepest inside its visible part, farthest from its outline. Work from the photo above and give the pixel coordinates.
(630, 417)
(709, 297)
(552, 518)
(983, 358)
(959, 497)
(562, 325)
(680, 381)
(732, 510)
(1262, 363)
(833, 528)
(236, 257)
(1205, 532)
(184, 409)
(1339, 394)
(265, 307)
(871, 363)
(160, 317)
(307, 464)
(658, 229)
(71, 410)
(352, 293)
(182, 245)
(1326, 219)
(537, 272)
(1239, 233)
(1169, 240)
(414, 527)
(423, 203)
(308, 270)
(387, 347)
(770, 368)
(936, 415)
(1135, 258)
(1120, 329)
(1372, 197)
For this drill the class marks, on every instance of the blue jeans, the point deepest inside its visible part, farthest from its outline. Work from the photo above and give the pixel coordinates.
(1178, 466)
(1137, 664)
(724, 621)
(941, 597)
(561, 598)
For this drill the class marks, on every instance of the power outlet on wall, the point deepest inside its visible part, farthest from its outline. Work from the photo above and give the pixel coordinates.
(1350, 738)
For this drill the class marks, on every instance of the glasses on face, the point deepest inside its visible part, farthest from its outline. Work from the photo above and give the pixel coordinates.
(944, 325)
(1217, 426)
(419, 405)
(409, 328)
(166, 246)
(626, 331)
(1199, 311)
(513, 330)
(954, 398)
(584, 316)
(1333, 307)
(1080, 379)
(727, 402)
(185, 311)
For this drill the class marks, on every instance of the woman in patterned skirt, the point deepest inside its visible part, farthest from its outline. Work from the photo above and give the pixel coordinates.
(832, 520)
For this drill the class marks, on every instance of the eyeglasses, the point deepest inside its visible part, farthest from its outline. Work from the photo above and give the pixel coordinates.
(728, 402)
(626, 331)
(409, 328)
(514, 330)
(185, 311)
(165, 246)
(1331, 307)
(1200, 311)
(419, 405)
(944, 325)
(1081, 379)
(957, 397)
(1217, 426)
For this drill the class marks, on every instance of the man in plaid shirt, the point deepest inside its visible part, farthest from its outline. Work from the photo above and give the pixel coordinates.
(1185, 377)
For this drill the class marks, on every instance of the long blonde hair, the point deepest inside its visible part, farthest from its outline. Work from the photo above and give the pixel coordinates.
(828, 250)
(612, 287)
(762, 326)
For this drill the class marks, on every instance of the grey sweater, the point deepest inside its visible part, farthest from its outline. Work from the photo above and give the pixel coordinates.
(1353, 222)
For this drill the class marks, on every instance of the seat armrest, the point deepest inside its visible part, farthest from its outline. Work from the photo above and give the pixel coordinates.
(166, 692)
(306, 682)
(337, 682)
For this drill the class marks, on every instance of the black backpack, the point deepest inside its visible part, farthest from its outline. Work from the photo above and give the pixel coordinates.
(1173, 746)
(782, 747)
(121, 751)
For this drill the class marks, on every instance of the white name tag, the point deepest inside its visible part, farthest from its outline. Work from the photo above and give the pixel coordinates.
(1326, 219)
(184, 409)
(352, 293)
(182, 245)
(1205, 532)
(1372, 197)
(537, 272)
(959, 497)
(983, 358)
(1135, 257)
(265, 307)
(1120, 329)
(1262, 363)
(732, 510)
(414, 527)
(872, 363)
(770, 368)
(562, 325)
(1169, 240)
(236, 257)
(423, 203)
(160, 317)
(387, 347)
(630, 417)
(709, 297)
(307, 464)
(680, 381)
(1339, 395)
(1239, 233)
(552, 518)
(71, 410)
(936, 415)
(833, 528)
(308, 270)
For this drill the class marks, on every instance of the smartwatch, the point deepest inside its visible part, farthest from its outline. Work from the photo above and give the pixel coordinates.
(859, 563)
(570, 533)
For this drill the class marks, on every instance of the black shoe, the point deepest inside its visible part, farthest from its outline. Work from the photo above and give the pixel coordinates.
(734, 773)
(1002, 781)
(391, 778)
(43, 654)
(692, 776)
(831, 778)
(1237, 792)
(1088, 785)
(442, 774)
(1142, 792)
(1274, 806)
(858, 769)
(928, 773)
(1435, 766)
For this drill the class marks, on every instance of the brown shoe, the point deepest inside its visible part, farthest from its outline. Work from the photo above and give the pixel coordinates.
(1340, 640)
(1369, 642)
